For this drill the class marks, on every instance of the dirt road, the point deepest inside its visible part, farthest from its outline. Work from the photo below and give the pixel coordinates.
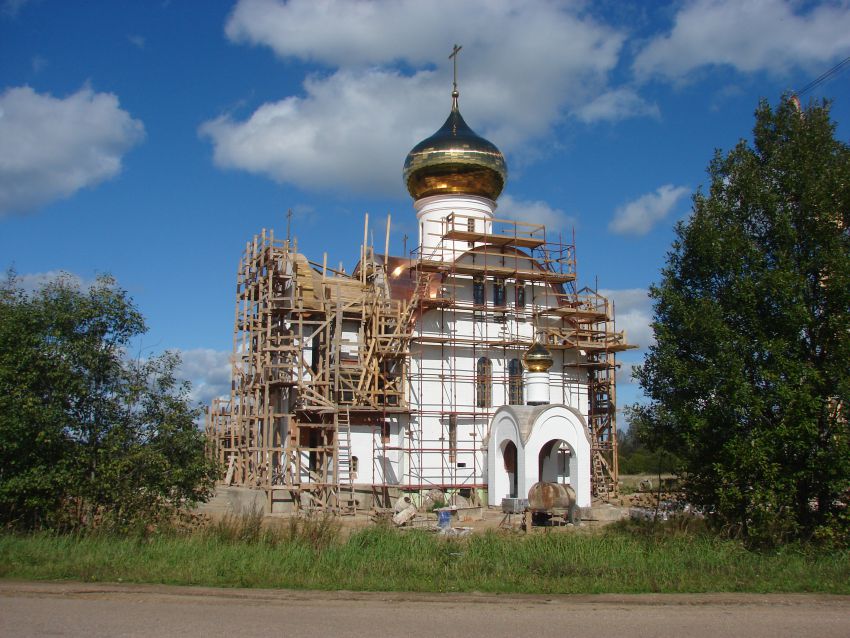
(92, 611)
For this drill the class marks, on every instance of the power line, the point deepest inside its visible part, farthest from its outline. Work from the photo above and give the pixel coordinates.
(823, 77)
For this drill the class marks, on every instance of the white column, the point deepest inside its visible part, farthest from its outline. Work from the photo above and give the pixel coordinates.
(537, 388)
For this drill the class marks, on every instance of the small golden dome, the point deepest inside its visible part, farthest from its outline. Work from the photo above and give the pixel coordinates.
(537, 358)
(455, 160)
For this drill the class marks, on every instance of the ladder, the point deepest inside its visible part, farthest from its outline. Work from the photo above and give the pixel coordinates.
(345, 485)
(601, 481)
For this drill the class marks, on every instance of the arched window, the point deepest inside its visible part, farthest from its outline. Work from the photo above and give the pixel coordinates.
(483, 377)
(478, 291)
(499, 293)
(515, 382)
(520, 294)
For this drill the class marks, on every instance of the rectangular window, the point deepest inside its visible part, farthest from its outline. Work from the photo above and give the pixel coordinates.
(520, 294)
(478, 291)
(499, 293)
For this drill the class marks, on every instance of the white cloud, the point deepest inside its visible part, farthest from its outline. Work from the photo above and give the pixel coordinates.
(633, 312)
(624, 372)
(639, 216)
(534, 212)
(208, 371)
(338, 32)
(341, 33)
(748, 35)
(313, 142)
(617, 104)
(388, 82)
(50, 147)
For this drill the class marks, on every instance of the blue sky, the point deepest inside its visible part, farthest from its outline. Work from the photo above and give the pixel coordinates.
(151, 140)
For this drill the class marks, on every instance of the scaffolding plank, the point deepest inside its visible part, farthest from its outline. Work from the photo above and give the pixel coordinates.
(431, 265)
(496, 239)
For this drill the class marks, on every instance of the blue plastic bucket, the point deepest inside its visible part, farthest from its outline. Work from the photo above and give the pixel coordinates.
(444, 518)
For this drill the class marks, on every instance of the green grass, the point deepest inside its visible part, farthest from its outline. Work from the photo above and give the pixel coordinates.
(313, 556)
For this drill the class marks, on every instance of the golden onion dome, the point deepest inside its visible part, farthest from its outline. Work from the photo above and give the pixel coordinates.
(537, 358)
(455, 160)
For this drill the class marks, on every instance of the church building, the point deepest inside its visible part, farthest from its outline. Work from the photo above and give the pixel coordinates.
(474, 365)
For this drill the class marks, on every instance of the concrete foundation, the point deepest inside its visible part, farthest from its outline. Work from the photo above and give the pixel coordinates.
(233, 500)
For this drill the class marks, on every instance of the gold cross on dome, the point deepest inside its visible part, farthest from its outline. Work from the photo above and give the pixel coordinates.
(453, 58)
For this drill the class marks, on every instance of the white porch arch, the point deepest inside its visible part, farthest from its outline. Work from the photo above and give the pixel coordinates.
(531, 428)
(503, 429)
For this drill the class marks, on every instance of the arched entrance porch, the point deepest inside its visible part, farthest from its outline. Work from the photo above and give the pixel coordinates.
(552, 444)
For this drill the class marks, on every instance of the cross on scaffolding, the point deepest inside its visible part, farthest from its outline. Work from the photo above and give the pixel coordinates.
(288, 225)
(453, 58)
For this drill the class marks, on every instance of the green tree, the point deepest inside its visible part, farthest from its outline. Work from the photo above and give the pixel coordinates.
(636, 458)
(749, 378)
(87, 435)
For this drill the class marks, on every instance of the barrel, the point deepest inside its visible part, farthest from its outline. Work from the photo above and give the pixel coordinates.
(548, 497)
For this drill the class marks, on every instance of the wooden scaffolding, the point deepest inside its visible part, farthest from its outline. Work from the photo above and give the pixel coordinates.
(316, 350)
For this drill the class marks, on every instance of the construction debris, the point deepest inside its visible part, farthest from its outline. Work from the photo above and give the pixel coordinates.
(404, 511)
